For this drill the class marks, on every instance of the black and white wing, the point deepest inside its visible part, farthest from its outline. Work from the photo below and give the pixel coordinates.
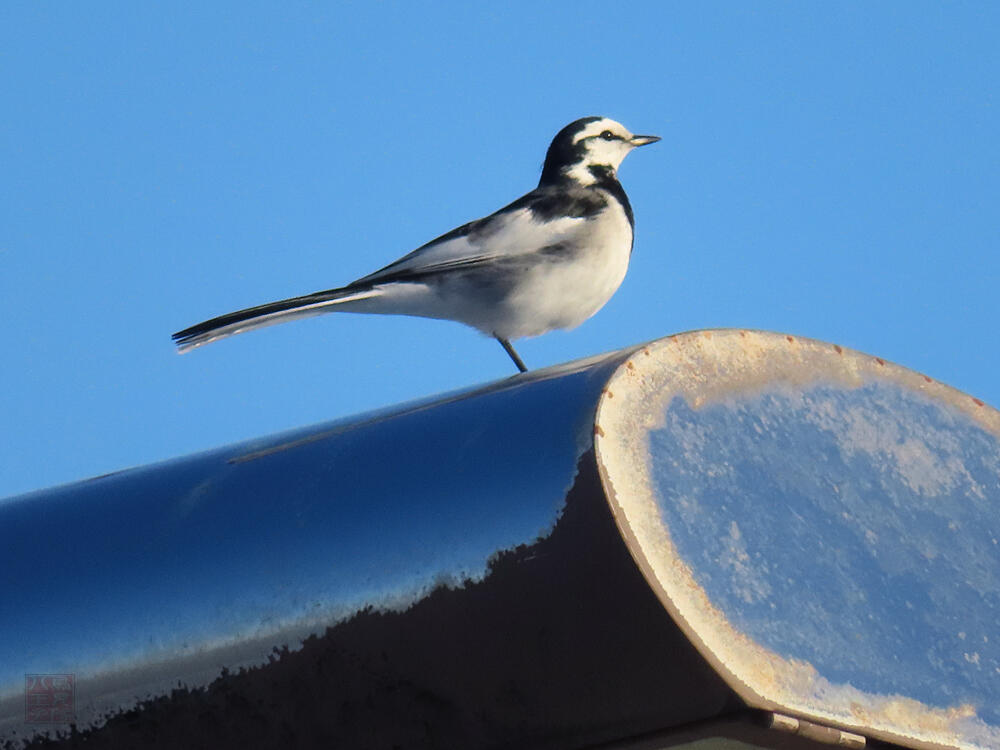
(529, 225)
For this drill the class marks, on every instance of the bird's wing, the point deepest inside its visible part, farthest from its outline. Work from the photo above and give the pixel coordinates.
(514, 230)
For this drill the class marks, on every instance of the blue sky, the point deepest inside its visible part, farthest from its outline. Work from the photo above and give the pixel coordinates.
(827, 170)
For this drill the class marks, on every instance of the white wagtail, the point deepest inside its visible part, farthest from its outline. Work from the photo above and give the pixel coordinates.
(550, 259)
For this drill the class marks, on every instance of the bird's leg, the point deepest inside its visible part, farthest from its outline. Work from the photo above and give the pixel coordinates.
(513, 354)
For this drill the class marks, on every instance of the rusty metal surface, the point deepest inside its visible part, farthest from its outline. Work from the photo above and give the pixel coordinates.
(822, 524)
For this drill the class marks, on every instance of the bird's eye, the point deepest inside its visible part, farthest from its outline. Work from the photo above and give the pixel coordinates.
(608, 135)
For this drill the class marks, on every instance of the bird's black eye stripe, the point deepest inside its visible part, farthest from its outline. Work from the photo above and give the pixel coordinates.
(608, 135)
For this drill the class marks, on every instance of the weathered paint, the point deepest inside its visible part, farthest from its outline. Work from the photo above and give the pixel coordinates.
(823, 524)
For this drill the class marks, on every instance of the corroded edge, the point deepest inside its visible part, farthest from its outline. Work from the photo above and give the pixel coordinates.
(704, 367)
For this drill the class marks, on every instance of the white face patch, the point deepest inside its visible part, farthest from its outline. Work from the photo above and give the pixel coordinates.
(607, 143)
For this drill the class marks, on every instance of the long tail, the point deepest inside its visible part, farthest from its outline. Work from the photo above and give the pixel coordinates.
(266, 315)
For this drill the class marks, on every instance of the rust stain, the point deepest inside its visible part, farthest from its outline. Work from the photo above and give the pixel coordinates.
(630, 366)
(598, 431)
(722, 369)
(707, 334)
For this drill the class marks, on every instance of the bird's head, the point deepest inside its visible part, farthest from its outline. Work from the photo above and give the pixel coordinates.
(589, 149)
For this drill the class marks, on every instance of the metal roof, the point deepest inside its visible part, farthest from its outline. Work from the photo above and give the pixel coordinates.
(721, 533)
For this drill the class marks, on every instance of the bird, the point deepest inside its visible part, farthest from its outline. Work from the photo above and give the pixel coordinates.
(549, 260)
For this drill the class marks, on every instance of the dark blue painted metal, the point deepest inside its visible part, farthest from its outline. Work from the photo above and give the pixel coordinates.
(140, 580)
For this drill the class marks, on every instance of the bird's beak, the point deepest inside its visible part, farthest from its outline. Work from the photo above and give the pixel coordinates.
(643, 140)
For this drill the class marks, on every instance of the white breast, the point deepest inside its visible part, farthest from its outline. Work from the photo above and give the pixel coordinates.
(563, 294)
